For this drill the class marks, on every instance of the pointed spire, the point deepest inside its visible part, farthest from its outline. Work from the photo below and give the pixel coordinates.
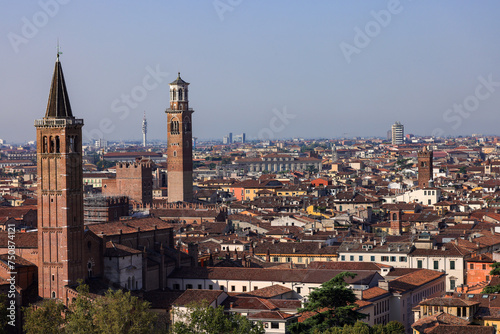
(58, 105)
(179, 81)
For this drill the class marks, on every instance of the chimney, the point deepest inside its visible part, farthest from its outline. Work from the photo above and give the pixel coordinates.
(178, 262)
(162, 267)
(383, 284)
(193, 253)
(144, 266)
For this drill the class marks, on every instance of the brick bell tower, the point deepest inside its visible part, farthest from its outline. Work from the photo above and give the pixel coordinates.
(425, 167)
(179, 140)
(60, 193)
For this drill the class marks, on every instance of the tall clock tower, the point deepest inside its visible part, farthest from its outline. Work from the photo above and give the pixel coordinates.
(180, 141)
(425, 167)
(60, 193)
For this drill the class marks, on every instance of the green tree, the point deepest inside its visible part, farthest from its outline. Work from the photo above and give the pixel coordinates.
(403, 163)
(119, 312)
(116, 312)
(358, 328)
(394, 327)
(495, 269)
(203, 319)
(80, 318)
(311, 169)
(104, 164)
(226, 161)
(4, 303)
(491, 289)
(331, 305)
(47, 318)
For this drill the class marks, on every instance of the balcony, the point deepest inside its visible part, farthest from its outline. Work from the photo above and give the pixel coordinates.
(58, 122)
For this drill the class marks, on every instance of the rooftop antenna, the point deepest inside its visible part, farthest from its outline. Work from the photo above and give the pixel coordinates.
(58, 49)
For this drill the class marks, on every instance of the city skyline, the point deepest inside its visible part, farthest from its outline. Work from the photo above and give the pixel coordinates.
(280, 70)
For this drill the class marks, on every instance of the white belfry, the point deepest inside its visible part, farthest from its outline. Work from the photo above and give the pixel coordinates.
(144, 129)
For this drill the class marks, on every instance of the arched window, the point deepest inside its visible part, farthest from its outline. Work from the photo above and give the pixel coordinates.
(394, 216)
(174, 127)
(175, 153)
(173, 94)
(75, 144)
(71, 144)
(45, 144)
(58, 145)
(51, 139)
(180, 94)
(187, 125)
(53, 294)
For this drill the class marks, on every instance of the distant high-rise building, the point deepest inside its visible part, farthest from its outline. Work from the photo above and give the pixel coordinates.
(398, 133)
(101, 143)
(240, 138)
(228, 139)
(144, 130)
(180, 141)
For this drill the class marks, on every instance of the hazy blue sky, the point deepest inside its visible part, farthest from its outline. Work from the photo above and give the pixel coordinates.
(332, 67)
